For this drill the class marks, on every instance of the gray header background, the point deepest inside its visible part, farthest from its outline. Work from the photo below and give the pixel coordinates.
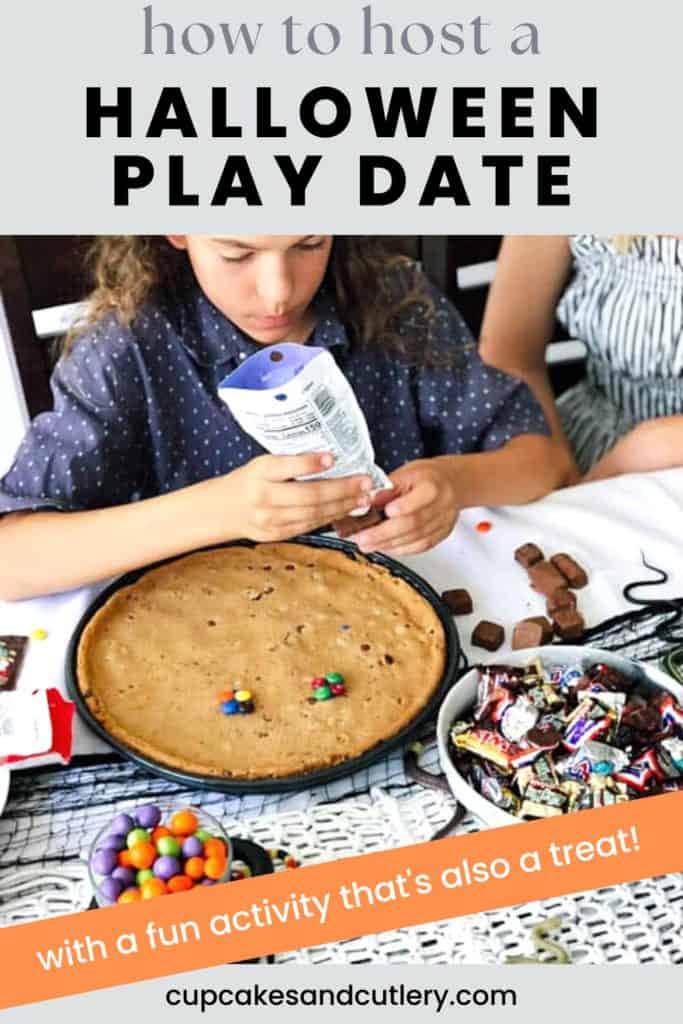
(54, 180)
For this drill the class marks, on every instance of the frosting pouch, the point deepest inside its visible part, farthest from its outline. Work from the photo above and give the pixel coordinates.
(293, 399)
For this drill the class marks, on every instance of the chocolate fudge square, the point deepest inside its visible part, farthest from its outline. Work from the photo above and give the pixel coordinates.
(459, 601)
(489, 635)
(350, 525)
(569, 623)
(575, 576)
(546, 578)
(528, 554)
(560, 598)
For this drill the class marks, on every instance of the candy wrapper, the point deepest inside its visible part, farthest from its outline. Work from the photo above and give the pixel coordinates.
(35, 724)
(294, 399)
(12, 650)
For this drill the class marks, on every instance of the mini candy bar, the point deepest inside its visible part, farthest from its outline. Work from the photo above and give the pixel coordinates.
(545, 736)
(560, 598)
(609, 678)
(490, 746)
(542, 793)
(545, 624)
(666, 762)
(531, 633)
(674, 748)
(528, 554)
(611, 700)
(517, 718)
(545, 578)
(458, 601)
(494, 789)
(349, 525)
(641, 772)
(569, 623)
(671, 715)
(566, 677)
(583, 729)
(12, 650)
(571, 570)
(525, 755)
(489, 635)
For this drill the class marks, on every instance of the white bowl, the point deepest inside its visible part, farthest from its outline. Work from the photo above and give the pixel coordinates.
(463, 695)
(4, 786)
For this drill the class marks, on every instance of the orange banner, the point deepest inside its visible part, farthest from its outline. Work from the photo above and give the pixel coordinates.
(342, 899)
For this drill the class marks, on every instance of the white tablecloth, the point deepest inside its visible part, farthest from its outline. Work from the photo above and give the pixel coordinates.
(604, 525)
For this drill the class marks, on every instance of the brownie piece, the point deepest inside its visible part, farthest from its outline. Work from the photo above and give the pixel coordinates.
(527, 634)
(573, 573)
(12, 650)
(545, 624)
(350, 525)
(560, 598)
(458, 601)
(569, 623)
(546, 578)
(528, 554)
(489, 635)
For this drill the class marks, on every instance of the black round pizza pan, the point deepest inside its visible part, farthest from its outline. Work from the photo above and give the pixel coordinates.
(291, 782)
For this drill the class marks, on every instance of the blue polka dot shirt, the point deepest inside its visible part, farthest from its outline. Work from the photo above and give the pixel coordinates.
(137, 413)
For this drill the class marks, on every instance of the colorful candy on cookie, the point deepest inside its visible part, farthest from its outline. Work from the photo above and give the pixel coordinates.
(140, 857)
(327, 687)
(236, 702)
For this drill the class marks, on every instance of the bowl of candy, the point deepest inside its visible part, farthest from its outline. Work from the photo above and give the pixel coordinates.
(559, 729)
(154, 851)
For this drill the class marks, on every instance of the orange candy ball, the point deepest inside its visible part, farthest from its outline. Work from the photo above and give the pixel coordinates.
(159, 832)
(129, 896)
(184, 823)
(484, 526)
(226, 695)
(194, 868)
(179, 883)
(215, 867)
(123, 858)
(215, 848)
(153, 887)
(143, 855)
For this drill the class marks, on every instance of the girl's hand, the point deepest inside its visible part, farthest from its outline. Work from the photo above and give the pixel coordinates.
(268, 503)
(421, 510)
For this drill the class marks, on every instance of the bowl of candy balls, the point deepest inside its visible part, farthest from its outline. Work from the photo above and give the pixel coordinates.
(559, 729)
(154, 851)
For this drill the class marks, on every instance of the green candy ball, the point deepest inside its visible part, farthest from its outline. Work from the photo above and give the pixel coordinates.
(168, 846)
(137, 835)
(322, 693)
(143, 874)
(334, 677)
(202, 835)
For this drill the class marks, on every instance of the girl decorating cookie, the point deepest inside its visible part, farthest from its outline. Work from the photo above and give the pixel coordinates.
(625, 301)
(140, 460)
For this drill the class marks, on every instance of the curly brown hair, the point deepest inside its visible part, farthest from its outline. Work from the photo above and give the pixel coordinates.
(129, 270)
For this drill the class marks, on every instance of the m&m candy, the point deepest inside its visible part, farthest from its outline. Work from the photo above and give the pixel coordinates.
(142, 857)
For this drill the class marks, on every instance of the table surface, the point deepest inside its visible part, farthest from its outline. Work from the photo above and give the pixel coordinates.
(607, 526)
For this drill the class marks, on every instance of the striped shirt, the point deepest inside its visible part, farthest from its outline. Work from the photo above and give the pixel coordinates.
(628, 309)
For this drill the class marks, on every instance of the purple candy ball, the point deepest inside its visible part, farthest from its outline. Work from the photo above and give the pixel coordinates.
(208, 881)
(166, 867)
(104, 862)
(193, 847)
(114, 842)
(122, 824)
(148, 816)
(111, 889)
(126, 876)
